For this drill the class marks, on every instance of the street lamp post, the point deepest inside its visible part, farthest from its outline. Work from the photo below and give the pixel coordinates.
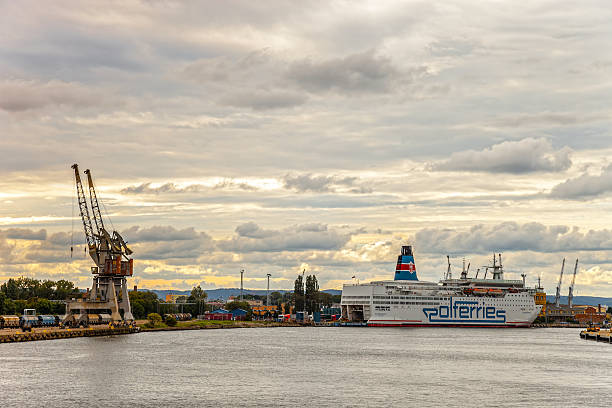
(268, 291)
(241, 286)
(304, 301)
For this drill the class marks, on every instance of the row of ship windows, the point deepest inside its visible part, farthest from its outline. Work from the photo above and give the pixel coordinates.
(355, 297)
(379, 302)
(411, 297)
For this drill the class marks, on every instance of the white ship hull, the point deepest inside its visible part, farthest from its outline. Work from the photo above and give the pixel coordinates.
(388, 304)
(406, 301)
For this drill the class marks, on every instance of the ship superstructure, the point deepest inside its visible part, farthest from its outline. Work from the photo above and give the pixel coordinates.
(406, 301)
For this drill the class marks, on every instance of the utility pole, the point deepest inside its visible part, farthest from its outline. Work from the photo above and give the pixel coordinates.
(304, 302)
(268, 291)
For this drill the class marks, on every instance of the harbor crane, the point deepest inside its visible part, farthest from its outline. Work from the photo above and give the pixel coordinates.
(112, 260)
(558, 294)
(570, 297)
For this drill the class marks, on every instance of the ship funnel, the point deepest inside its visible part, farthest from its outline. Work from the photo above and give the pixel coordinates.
(405, 269)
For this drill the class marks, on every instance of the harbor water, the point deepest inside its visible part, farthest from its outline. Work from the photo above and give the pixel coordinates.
(318, 367)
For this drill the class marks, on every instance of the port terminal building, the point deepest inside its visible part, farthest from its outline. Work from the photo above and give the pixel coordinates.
(583, 314)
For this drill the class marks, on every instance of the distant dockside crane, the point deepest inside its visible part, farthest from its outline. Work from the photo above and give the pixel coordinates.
(113, 264)
(558, 294)
(570, 297)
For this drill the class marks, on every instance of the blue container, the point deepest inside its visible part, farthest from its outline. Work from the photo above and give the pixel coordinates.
(29, 321)
(46, 320)
(316, 316)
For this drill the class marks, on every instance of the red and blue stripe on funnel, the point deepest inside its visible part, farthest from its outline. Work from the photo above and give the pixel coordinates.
(406, 269)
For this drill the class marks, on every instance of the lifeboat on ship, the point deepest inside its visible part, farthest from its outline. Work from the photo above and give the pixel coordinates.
(479, 292)
(495, 292)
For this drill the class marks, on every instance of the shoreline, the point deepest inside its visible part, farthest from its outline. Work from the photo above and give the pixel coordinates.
(222, 324)
(16, 336)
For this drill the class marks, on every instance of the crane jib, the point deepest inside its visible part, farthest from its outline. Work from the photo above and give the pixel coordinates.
(106, 251)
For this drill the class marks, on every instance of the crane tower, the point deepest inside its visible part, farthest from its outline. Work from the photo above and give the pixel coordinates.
(558, 294)
(570, 297)
(111, 256)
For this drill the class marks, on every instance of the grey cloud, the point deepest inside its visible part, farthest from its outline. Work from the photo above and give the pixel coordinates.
(251, 81)
(312, 183)
(61, 239)
(252, 230)
(183, 249)
(585, 186)
(172, 188)
(357, 73)
(523, 156)
(160, 233)
(41, 247)
(231, 185)
(296, 238)
(145, 188)
(511, 236)
(21, 95)
(549, 118)
(226, 68)
(24, 233)
(453, 47)
(262, 99)
(168, 243)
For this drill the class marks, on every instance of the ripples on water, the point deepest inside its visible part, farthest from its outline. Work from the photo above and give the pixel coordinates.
(319, 367)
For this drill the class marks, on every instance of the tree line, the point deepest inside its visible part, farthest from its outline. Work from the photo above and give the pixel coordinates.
(306, 295)
(21, 293)
(27, 293)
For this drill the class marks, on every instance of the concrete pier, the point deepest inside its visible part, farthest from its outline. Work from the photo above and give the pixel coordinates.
(12, 336)
(604, 335)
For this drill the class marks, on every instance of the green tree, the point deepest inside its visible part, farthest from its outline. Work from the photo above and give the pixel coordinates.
(19, 306)
(65, 290)
(3, 300)
(198, 296)
(170, 320)
(298, 293)
(325, 299)
(143, 302)
(312, 293)
(27, 288)
(138, 310)
(10, 289)
(154, 319)
(276, 298)
(42, 306)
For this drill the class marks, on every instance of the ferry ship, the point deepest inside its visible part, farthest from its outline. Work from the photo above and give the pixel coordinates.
(474, 302)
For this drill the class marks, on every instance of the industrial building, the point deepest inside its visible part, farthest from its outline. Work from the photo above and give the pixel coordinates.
(172, 298)
(239, 314)
(263, 311)
(583, 314)
(219, 314)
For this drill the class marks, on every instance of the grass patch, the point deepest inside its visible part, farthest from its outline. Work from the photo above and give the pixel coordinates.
(211, 324)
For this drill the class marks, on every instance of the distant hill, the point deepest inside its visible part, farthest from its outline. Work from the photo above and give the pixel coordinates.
(583, 300)
(225, 293)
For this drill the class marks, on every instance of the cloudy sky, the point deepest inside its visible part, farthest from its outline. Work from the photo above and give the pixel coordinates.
(278, 136)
